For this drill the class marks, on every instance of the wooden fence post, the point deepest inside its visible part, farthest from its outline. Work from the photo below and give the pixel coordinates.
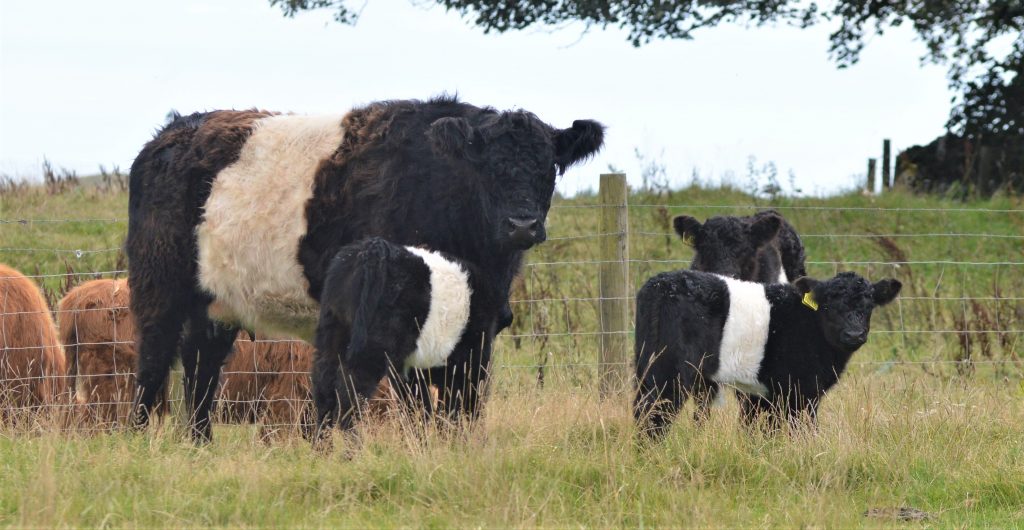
(886, 165)
(871, 175)
(985, 170)
(613, 275)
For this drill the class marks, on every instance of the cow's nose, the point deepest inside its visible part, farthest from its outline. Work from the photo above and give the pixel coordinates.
(854, 338)
(524, 231)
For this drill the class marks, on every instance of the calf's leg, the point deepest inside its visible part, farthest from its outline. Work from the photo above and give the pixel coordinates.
(341, 390)
(461, 386)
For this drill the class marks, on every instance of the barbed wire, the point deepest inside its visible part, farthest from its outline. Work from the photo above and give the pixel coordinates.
(759, 207)
(77, 252)
(30, 221)
(863, 236)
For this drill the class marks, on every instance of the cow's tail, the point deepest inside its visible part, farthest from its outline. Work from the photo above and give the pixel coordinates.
(372, 280)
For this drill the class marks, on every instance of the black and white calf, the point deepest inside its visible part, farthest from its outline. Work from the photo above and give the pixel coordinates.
(781, 345)
(761, 248)
(416, 316)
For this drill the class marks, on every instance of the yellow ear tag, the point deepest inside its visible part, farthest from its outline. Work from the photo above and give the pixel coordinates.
(809, 301)
(688, 240)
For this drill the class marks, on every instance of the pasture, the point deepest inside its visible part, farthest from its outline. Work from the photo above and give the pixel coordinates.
(929, 417)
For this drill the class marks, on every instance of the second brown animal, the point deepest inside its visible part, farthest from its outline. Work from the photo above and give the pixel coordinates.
(264, 381)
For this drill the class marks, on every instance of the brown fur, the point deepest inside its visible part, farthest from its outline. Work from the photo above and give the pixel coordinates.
(32, 367)
(98, 333)
(265, 381)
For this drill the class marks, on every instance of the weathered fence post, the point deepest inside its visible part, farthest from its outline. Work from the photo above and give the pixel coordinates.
(985, 170)
(871, 175)
(613, 276)
(886, 165)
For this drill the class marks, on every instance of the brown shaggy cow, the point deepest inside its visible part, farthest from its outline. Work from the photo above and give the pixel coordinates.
(32, 365)
(98, 333)
(265, 381)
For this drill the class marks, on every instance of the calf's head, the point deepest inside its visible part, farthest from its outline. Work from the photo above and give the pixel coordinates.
(727, 245)
(844, 305)
(514, 157)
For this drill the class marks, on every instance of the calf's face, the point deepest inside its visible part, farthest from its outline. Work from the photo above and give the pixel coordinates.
(727, 245)
(845, 303)
(515, 158)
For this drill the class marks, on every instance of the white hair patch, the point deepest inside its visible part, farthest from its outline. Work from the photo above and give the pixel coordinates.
(448, 314)
(249, 236)
(744, 337)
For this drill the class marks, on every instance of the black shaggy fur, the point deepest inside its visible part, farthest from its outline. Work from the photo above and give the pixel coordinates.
(376, 297)
(469, 181)
(753, 248)
(680, 317)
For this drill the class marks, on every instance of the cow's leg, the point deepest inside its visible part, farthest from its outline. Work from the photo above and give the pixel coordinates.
(704, 394)
(658, 399)
(341, 390)
(161, 277)
(332, 340)
(461, 387)
(203, 350)
(325, 380)
(413, 391)
(802, 411)
(663, 385)
(159, 332)
(755, 409)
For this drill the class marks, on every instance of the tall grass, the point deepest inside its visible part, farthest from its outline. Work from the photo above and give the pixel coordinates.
(945, 439)
(556, 457)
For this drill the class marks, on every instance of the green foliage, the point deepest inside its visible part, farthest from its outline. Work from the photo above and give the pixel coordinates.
(980, 41)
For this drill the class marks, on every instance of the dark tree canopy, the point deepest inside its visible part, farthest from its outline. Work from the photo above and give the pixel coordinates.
(981, 42)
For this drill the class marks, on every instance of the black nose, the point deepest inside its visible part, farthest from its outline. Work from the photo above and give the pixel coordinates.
(853, 338)
(524, 231)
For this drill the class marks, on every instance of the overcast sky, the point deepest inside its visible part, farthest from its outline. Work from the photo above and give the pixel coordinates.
(86, 82)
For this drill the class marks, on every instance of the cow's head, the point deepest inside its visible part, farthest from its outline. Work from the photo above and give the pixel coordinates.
(728, 245)
(844, 305)
(516, 157)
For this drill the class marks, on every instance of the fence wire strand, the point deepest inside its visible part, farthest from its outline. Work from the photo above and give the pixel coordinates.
(963, 332)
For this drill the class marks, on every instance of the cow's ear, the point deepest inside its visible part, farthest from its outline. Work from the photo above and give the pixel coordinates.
(687, 227)
(806, 284)
(764, 229)
(885, 291)
(453, 137)
(577, 143)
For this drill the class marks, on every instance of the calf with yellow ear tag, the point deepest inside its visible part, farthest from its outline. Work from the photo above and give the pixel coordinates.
(781, 346)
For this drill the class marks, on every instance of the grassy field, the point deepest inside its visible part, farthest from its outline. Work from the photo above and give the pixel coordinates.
(930, 417)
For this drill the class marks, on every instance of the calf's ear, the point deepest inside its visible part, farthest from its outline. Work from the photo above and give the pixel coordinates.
(453, 137)
(885, 291)
(806, 284)
(577, 143)
(765, 229)
(687, 227)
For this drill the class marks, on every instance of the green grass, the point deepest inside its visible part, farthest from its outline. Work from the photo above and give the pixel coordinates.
(940, 437)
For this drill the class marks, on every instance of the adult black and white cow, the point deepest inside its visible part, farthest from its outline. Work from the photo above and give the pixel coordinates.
(234, 217)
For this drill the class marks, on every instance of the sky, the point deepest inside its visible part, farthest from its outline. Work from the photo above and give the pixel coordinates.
(85, 83)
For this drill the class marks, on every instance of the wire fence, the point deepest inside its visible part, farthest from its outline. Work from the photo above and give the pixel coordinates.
(960, 310)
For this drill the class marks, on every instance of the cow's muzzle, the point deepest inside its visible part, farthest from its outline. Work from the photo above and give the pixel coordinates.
(525, 232)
